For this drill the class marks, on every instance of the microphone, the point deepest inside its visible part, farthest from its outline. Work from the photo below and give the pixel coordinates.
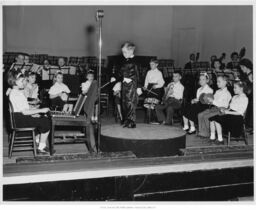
(99, 15)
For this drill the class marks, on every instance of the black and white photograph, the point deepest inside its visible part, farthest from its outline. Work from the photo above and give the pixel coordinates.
(127, 103)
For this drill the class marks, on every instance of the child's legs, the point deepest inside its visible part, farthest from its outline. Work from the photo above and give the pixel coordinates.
(219, 131)
(185, 121)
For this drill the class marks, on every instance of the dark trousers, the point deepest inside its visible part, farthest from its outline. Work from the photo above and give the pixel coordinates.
(169, 106)
(129, 101)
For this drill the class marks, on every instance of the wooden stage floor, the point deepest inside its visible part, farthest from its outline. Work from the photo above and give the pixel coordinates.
(115, 167)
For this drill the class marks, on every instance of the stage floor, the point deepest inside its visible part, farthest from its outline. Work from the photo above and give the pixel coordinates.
(192, 141)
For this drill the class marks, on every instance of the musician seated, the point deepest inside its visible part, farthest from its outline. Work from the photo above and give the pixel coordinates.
(234, 64)
(192, 59)
(172, 100)
(85, 86)
(24, 115)
(59, 92)
(19, 62)
(153, 86)
(31, 89)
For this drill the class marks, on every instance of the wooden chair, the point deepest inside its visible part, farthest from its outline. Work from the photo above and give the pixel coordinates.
(20, 143)
(242, 137)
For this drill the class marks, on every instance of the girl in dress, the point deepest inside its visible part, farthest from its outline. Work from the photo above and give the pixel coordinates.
(231, 118)
(191, 112)
(24, 115)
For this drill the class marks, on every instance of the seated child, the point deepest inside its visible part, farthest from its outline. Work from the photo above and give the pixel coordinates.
(153, 87)
(31, 89)
(24, 115)
(59, 93)
(85, 88)
(221, 98)
(191, 112)
(231, 119)
(172, 100)
(86, 85)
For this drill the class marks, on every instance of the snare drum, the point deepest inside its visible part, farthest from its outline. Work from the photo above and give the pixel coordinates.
(150, 103)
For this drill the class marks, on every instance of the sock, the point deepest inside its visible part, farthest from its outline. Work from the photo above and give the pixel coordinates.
(37, 139)
(41, 146)
(220, 138)
(192, 129)
(185, 127)
(212, 137)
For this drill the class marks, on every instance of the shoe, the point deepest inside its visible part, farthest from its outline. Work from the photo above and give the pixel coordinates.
(132, 125)
(155, 123)
(211, 142)
(126, 124)
(217, 142)
(186, 129)
(42, 152)
(191, 132)
(167, 123)
(48, 150)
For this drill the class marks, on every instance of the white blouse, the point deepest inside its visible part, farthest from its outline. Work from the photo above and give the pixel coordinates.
(239, 103)
(206, 89)
(154, 76)
(18, 100)
(58, 88)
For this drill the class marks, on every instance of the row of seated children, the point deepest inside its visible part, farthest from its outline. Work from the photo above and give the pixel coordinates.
(201, 112)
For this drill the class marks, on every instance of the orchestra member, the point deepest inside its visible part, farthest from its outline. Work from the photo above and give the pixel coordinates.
(153, 85)
(220, 99)
(59, 92)
(172, 100)
(192, 58)
(31, 89)
(24, 115)
(234, 63)
(231, 119)
(191, 112)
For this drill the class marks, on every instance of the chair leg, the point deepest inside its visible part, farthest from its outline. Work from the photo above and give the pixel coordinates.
(228, 142)
(34, 143)
(11, 143)
(245, 136)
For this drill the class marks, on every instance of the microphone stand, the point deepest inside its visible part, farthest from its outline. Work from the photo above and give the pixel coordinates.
(99, 17)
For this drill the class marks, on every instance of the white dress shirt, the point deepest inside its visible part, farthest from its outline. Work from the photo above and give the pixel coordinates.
(175, 90)
(154, 76)
(239, 103)
(18, 100)
(206, 89)
(222, 98)
(58, 88)
(86, 85)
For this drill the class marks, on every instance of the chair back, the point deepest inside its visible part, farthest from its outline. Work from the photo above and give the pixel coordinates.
(11, 114)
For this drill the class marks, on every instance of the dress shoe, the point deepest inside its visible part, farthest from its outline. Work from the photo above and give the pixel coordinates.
(191, 132)
(132, 125)
(219, 142)
(48, 150)
(41, 152)
(126, 124)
